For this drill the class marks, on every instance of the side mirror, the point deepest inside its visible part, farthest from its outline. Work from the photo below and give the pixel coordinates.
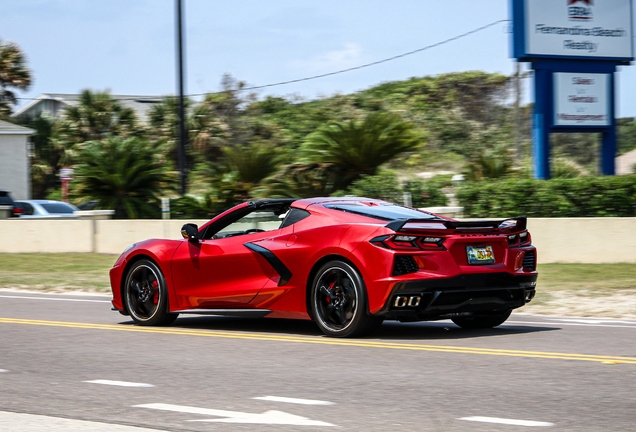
(190, 231)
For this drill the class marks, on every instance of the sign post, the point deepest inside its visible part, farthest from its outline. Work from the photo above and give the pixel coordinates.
(574, 47)
(66, 175)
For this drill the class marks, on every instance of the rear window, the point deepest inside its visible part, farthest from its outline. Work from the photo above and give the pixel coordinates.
(387, 212)
(5, 198)
(58, 208)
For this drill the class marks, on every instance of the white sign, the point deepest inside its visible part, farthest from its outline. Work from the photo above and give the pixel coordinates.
(581, 99)
(66, 173)
(579, 28)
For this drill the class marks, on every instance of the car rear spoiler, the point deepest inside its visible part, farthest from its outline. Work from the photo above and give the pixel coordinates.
(517, 224)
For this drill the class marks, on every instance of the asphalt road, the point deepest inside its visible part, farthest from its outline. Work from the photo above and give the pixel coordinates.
(69, 363)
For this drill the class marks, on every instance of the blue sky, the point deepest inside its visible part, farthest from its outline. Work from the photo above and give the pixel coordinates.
(128, 47)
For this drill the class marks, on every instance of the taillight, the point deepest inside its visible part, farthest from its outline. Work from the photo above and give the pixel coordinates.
(521, 239)
(404, 242)
(17, 211)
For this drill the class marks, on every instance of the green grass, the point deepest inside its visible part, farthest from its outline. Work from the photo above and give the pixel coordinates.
(600, 278)
(89, 272)
(56, 272)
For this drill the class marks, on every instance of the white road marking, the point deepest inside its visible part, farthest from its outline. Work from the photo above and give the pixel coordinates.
(3, 370)
(512, 422)
(55, 299)
(10, 421)
(594, 321)
(119, 383)
(543, 323)
(268, 417)
(294, 400)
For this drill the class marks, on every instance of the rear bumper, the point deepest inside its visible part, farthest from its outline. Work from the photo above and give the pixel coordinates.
(425, 300)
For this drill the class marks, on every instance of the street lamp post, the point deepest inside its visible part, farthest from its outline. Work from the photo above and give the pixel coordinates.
(183, 134)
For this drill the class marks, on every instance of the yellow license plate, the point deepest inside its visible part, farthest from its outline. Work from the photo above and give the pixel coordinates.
(480, 255)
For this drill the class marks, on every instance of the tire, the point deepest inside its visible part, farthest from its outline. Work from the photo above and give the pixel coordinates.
(146, 295)
(482, 321)
(339, 303)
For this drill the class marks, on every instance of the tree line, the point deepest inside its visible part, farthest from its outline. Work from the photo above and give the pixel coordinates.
(377, 142)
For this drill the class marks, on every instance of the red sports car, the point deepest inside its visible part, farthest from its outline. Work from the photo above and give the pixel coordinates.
(346, 263)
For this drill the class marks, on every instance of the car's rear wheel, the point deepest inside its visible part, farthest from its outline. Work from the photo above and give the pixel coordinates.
(339, 301)
(483, 320)
(146, 295)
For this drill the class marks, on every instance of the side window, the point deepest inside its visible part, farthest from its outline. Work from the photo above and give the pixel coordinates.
(258, 221)
(294, 215)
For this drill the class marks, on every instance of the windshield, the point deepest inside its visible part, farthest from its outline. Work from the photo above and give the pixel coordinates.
(387, 212)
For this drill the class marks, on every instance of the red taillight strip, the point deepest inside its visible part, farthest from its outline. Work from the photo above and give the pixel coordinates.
(388, 242)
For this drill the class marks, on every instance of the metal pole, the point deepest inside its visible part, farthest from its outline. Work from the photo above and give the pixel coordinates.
(518, 113)
(183, 134)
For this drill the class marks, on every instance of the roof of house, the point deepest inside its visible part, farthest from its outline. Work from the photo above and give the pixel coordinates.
(7, 128)
(138, 103)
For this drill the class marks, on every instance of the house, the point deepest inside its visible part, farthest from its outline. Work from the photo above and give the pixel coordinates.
(53, 104)
(15, 171)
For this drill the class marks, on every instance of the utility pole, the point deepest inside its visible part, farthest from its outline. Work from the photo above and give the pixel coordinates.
(183, 133)
(518, 113)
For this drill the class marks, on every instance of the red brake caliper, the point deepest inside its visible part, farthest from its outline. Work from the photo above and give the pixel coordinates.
(331, 285)
(155, 297)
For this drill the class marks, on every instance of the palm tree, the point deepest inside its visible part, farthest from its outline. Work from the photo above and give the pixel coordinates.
(13, 73)
(492, 163)
(123, 174)
(298, 180)
(243, 168)
(356, 148)
(95, 117)
(48, 156)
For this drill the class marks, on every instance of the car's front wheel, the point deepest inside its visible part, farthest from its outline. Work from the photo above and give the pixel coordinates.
(339, 301)
(483, 320)
(146, 294)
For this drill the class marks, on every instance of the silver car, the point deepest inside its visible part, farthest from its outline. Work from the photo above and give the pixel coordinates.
(36, 209)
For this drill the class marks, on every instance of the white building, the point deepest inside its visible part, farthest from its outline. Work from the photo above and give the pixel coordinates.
(53, 104)
(15, 171)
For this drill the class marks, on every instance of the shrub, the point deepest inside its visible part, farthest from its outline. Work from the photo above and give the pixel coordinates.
(578, 197)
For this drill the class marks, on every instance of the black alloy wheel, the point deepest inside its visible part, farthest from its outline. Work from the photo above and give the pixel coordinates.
(339, 301)
(146, 295)
(483, 320)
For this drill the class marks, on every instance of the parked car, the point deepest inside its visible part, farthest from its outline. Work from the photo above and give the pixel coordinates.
(45, 209)
(7, 200)
(346, 263)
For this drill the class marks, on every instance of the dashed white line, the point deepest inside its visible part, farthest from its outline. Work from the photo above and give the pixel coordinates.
(119, 383)
(3, 370)
(294, 400)
(511, 422)
(55, 299)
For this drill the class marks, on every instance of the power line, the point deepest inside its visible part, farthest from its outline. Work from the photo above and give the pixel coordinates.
(428, 47)
(368, 64)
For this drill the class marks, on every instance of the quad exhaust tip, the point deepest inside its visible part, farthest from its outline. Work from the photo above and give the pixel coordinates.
(407, 301)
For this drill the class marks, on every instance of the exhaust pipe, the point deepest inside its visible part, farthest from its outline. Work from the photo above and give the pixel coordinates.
(400, 301)
(404, 301)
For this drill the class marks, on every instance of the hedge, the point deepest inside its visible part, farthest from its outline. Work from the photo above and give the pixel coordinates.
(578, 197)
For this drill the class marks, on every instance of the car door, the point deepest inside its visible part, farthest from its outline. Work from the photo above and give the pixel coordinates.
(219, 272)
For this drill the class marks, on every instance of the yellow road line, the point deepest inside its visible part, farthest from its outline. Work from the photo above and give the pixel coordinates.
(329, 341)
